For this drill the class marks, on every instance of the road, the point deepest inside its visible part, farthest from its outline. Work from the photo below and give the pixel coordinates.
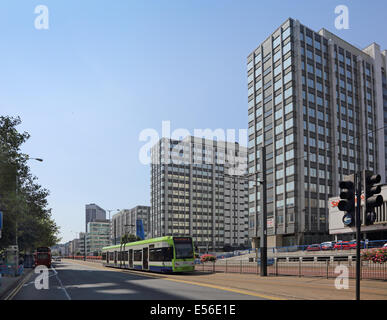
(71, 281)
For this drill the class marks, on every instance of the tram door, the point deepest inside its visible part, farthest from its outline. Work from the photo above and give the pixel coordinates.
(145, 258)
(131, 258)
(115, 257)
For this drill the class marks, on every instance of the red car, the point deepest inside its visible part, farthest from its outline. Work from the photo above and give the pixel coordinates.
(313, 247)
(352, 244)
(342, 245)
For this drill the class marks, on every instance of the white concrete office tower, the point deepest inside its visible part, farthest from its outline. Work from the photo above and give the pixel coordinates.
(93, 213)
(199, 188)
(124, 222)
(316, 103)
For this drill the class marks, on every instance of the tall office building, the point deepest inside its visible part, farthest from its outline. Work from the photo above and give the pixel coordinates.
(93, 213)
(124, 222)
(97, 237)
(199, 188)
(316, 103)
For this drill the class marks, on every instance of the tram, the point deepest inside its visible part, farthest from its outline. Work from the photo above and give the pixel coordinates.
(165, 254)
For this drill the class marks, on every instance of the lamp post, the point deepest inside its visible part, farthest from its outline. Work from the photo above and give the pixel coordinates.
(262, 233)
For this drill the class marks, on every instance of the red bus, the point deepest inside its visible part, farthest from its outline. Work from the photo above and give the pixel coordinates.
(43, 256)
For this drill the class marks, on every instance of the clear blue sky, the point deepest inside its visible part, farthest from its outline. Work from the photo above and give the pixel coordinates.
(105, 70)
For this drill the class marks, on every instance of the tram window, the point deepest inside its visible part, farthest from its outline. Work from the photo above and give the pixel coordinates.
(126, 255)
(167, 254)
(154, 254)
(111, 256)
(137, 255)
(104, 256)
(160, 254)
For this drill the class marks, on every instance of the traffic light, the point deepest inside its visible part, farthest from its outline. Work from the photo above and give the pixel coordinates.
(347, 200)
(371, 197)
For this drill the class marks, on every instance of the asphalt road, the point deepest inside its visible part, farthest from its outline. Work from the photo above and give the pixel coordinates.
(68, 281)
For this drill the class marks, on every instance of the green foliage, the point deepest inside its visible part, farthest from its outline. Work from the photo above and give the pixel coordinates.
(22, 200)
(129, 238)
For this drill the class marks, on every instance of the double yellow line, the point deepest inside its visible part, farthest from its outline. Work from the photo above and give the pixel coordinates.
(18, 287)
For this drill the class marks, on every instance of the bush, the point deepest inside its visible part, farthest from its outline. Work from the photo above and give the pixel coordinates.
(207, 258)
(375, 255)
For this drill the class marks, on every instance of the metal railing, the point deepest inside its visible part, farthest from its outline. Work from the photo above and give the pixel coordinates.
(88, 258)
(302, 248)
(299, 268)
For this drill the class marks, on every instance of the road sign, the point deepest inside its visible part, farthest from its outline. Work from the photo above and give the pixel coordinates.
(348, 219)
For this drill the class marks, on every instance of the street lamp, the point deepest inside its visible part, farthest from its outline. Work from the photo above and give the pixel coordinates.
(263, 217)
(37, 159)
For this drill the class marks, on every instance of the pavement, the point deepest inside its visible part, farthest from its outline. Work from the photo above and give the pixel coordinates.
(272, 287)
(10, 284)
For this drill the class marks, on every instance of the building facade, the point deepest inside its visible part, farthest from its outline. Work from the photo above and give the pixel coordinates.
(199, 188)
(316, 103)
(74, 247)
(124, 222)
(93, 213)
(82, 237)
(97, 237)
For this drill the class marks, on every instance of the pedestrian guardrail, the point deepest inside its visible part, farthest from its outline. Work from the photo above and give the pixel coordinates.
(299, 268)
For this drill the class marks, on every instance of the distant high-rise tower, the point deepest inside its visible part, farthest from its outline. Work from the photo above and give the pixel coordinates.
(93, 213)
(199, 188)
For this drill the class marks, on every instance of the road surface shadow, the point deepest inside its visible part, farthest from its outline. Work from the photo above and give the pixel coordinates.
(84, 283)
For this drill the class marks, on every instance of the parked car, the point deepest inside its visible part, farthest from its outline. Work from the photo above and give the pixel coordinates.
(352, 244)
(313, 247)
(342, 245)
(328, 245)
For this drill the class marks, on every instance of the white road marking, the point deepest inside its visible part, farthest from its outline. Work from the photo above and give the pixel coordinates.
(60, 282)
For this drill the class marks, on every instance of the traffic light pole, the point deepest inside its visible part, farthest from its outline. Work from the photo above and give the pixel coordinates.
(358, 177)
(263, 222)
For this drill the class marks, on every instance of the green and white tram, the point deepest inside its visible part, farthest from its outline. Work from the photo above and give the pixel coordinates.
(164, 254)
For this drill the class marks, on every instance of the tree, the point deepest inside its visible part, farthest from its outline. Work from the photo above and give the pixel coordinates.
(22, 200)
(129, 238)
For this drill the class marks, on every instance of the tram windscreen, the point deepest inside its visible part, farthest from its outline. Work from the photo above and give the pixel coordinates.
(183, 248)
